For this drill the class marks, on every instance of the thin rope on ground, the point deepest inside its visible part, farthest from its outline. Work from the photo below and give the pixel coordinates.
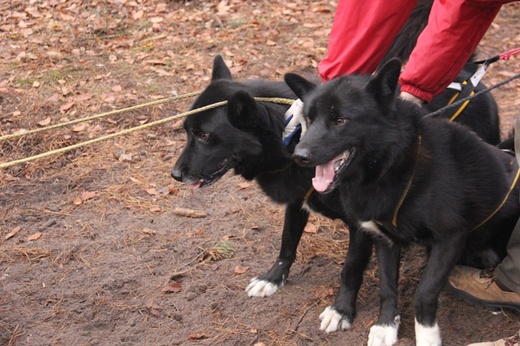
(136, 128)
(98, 116)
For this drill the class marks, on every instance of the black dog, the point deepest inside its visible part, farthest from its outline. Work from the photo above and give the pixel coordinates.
(247, 136)
(403, 178)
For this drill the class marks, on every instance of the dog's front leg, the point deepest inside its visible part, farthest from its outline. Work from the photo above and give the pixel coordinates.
(384, 332)
(340, 315)
(294, 223)
(444, 254)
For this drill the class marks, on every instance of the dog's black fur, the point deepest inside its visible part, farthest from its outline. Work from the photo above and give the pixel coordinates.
(246, 136)
(379, 144)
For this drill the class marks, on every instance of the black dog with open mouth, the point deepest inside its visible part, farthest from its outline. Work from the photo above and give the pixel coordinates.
(403, 178)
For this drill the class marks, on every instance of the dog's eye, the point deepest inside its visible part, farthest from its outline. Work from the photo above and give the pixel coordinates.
(340, 121)
(203, 136)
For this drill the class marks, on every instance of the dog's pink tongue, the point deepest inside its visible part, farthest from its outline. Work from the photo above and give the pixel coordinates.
(323, 176)
(196, 185)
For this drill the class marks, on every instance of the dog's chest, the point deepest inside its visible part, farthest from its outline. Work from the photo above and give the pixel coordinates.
(382, 218)
(390, 233)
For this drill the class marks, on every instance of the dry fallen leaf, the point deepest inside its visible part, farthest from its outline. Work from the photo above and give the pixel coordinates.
(35, 236)
(161, 8)
(244, 185)
(323, 292)
(54, 98)
(152, 191)
(310, 228)
(13, 232)
(240, 269)
(153, 308)
(172, 189)
(135, 180)
(198, 336)
(138, 15)
(45, 121)
(86, 195)
(199, 232)
(9, 177)
(125, 158)
(149, 231)
(65, 107)
(83, 97)
(79, 128)
(172, 287)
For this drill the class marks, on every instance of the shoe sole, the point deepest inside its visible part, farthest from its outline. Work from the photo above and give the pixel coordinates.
(482, 303)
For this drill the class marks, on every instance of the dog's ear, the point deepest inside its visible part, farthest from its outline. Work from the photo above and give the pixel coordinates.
(220, 69)
(385, 82)
(242, 110)
(299, 85)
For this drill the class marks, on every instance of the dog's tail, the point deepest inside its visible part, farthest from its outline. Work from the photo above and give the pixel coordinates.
(406, 39)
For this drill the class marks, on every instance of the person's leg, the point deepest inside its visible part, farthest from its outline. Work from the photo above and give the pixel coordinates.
(508, 272)
(361, 34)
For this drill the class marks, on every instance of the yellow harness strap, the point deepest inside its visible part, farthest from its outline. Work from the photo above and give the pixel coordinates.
(409, 184)
(503, 201)
(308, 194)
(462, 106)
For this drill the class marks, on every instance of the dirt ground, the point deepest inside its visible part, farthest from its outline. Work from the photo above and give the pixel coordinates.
(93, 250)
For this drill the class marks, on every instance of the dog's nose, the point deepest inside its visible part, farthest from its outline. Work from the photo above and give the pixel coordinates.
(177, 175)
(302, 156)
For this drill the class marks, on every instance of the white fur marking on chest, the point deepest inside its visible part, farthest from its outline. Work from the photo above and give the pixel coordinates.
(308, 208)
(372, 228)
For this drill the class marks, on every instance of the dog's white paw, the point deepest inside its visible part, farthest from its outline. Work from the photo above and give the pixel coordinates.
(261, 288)
(383, 335)
(331, 320)
(427, 336)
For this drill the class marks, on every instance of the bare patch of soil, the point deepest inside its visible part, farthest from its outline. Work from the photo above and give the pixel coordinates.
(92, 251)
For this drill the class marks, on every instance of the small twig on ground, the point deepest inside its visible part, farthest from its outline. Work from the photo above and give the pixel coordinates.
(295, 329)
(189, 212)
(15, 334)
(183, 272)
